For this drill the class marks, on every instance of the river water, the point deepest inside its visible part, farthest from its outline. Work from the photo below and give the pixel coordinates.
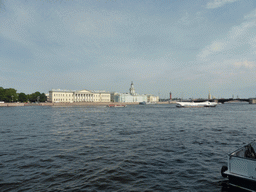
(137, 148)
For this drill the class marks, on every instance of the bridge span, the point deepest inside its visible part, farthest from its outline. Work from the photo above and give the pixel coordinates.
(250, 100)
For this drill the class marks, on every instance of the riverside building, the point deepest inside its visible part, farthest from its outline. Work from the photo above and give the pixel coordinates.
(132, 97)
(67, 96)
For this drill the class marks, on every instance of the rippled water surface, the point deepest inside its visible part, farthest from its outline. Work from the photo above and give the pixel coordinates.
(137, 148)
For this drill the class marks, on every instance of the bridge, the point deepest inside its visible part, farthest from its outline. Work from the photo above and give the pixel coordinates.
(250, 100)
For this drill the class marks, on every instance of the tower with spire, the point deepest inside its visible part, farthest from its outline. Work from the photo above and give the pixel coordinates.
(209, 95)
(132, 90)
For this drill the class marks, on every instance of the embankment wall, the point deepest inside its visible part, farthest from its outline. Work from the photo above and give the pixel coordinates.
(72, 104)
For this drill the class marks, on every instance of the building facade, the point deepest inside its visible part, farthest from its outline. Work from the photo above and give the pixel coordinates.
(64, 96)
(132, 97)
(152, 99)
(61, 96)
(126, 97)
(91, 96)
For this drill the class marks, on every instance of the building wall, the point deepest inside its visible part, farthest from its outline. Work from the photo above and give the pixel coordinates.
(61, 96)
(125, 97)
(101, 97)
(132, 97)
(152, 99)
(105, 97)
(78, 96)
(113, 97)
(83, 96)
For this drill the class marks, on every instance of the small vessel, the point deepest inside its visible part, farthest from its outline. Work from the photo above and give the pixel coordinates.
(196, 104)
(146, 103)
(116, 105)
(241, 167)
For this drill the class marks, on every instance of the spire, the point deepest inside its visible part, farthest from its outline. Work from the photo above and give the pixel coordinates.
(132, 90)
(209, 95)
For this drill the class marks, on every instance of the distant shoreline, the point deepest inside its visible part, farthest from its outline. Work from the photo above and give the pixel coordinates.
(73, 104)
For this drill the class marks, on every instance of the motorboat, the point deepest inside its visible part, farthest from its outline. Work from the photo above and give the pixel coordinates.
(196, 104)
(146, 103)
(116, 105)
(241, 167)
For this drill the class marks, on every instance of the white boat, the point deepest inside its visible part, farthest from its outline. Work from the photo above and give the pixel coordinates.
(241, 167)
(196, 104)
(146, 103)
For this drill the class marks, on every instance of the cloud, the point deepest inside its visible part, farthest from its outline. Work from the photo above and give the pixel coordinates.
(245, 64)
(238, 40)
(214, 48)
(218, 3)
(251, 15)
(105, 46)
(240, 30)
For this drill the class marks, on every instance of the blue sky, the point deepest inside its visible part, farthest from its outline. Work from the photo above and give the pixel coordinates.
(185, 47)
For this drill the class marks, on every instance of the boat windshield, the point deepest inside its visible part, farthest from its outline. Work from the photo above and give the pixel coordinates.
(248, 151)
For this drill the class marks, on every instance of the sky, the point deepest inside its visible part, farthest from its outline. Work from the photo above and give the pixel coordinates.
(188, 48)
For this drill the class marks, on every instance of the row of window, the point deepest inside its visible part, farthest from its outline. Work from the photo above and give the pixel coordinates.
(62, 95)
(69, 95)
(61, 100)
(79, 100)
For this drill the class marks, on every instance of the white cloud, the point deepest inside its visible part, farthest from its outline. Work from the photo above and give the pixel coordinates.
(245, 64)
(239, 38)
(103, 47)
(214, 48)
(218, 3)
(240, 30)
(251, 15)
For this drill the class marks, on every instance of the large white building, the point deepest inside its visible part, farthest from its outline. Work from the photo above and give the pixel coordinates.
(132, 97)
(65, 96)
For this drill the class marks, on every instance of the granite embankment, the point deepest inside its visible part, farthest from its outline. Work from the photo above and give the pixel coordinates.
(24, 104)
(70, 104)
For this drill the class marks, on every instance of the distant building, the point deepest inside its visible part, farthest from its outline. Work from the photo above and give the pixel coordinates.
(61, 96)
(209, 96)
(132, 96)
(91, 96)
(47, 96)
(70, 96)
(64, 96)
(152, 98)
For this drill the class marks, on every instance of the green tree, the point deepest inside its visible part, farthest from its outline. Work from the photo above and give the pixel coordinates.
(43, 97)
(34, 96)
(23, 97)
(2, 94)
(10, 95)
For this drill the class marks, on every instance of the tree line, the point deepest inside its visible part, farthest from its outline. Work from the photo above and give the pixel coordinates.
(11, 95)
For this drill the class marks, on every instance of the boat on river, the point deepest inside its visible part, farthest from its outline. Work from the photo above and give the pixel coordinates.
(116, 105)
(241, 167)
(146, 103)
(196, 104)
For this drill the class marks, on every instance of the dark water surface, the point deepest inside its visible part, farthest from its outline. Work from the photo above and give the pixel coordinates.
(137, 148)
